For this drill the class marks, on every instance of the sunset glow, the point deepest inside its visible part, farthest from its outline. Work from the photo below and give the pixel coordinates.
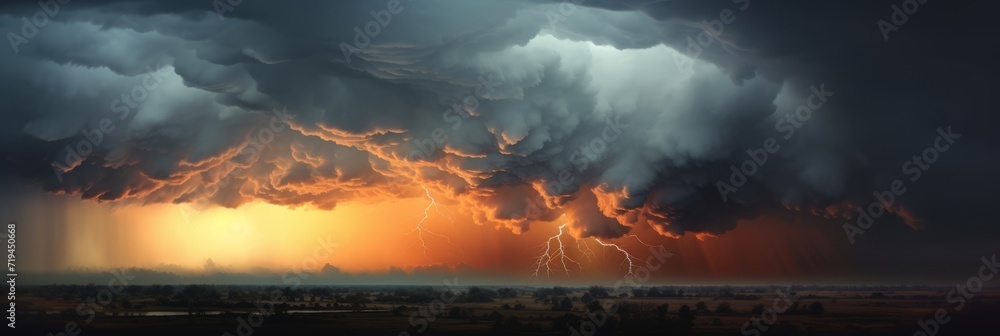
(499, 167)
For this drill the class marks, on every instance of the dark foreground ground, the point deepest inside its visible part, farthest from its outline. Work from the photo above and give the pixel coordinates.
(507, 311)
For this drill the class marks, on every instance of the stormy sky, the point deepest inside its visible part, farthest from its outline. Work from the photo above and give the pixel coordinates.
(676, 119)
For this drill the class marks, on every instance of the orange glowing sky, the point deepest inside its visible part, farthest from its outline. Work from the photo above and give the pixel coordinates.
(376, 237)
(240, 147)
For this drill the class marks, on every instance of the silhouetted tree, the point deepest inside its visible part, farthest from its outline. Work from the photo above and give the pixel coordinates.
(723, 308)
(598, 292)
(477, 294)
(586, 298)
(566, 304)
(507, 293)
(661, 312)
(685, 318)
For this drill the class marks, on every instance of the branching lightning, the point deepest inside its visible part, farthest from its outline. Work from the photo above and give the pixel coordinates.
(629, 258)
(420, 229)
(640, 241)
(587, 252)
(437, 207)
(554, 256)
(549, 256)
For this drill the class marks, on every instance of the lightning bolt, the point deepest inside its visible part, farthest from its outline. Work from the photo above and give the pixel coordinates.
(628, 256)
(552, 257)
(641, 242)
(586, 252)
(549, 257)
(420, 229)
(437, 208)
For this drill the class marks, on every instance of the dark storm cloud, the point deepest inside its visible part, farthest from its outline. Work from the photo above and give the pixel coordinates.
(602, 101)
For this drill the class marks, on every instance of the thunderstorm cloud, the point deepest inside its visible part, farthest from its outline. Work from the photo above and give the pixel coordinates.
(616, 114)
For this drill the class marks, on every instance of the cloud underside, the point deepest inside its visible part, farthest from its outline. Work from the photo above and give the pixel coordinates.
(615, 115)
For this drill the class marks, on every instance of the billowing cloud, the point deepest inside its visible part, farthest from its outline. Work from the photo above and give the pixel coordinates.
(615, 114)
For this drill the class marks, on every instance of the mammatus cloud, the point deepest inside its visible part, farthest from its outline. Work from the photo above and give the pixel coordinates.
(615, 114)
